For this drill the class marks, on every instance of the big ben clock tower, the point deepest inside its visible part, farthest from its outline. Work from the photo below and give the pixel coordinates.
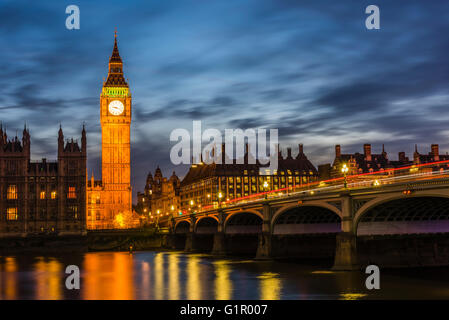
(115, 117)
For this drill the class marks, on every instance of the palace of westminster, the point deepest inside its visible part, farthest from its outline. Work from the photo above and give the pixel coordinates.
(56, 197)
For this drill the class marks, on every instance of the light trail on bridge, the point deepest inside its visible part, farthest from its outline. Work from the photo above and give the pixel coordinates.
(376, 179)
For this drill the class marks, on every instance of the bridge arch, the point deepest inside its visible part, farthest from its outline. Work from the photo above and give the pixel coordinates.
(310, 218)
(182, 226)
(400, 214)
(206, 224)
(310, 204)
(243, 222)
(242, 230)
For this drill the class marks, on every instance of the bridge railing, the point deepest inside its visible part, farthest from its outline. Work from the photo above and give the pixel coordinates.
(375, 179)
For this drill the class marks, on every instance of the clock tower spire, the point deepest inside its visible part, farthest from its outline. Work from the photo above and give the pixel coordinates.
(115, 74)
(115, 118)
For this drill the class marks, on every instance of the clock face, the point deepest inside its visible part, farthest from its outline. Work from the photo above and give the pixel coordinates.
(116, 107)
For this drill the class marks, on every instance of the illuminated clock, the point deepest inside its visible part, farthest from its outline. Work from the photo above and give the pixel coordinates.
(116, 107)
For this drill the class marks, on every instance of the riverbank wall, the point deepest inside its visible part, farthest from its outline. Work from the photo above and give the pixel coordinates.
(43, 244)
(92, 241)
(123, 240)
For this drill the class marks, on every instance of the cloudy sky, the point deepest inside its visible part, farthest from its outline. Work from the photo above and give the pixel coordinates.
(308, 68)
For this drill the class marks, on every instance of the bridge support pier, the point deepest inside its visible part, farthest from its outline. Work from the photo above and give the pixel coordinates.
(264, 247)
(190, 242)
(346, 253)
(346, 250)
(190, 236)
(168, 241)
(219, 247)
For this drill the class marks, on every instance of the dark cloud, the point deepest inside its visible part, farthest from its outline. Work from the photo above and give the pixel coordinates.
(308, 68)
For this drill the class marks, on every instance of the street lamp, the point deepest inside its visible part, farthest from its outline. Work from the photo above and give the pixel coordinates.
(265, 186)
(345, 170)
(220, 195)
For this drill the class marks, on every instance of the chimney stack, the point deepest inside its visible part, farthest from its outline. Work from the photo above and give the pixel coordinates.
(300, 149)
(367, 151)
(435, 152)
(401, 156)
(337, 151)
(223, 153)
(279, 152)
(289, 153)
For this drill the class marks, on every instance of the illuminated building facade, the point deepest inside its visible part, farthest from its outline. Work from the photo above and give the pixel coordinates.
(109, 201)
(160, 200)
(205, 183)
(42, 197)
(367, 162)
(364, 162)
(433, 156)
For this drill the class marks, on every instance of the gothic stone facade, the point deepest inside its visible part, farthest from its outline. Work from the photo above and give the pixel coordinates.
(160, 201)
(42, 197)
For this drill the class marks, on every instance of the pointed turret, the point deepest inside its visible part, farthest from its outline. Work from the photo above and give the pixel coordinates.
(83, 140)
(1, 134)
(115, 75)
(158, 172)
(26, 139)
(115, 57)
(60, 140)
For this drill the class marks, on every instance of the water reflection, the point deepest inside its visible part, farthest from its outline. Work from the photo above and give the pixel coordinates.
(193, 290)
(159, 276)
(10, 281)
(92, 279)
(270, 286)
(173, 271)
(146, 289)
(223, 285)
(108, 276)
(352, 296)
(48, 278)
(123, 277)
(175, 275)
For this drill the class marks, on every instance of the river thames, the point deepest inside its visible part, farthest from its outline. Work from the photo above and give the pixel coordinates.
(177, 275)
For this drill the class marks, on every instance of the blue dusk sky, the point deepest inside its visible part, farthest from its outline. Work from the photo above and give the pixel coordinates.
(308, 68)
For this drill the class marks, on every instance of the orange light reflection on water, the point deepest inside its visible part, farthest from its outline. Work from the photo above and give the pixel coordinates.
(49, 278)
(10, 278)
(108, 276)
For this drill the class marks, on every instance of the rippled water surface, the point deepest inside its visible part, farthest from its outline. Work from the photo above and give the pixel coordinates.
(176, 275)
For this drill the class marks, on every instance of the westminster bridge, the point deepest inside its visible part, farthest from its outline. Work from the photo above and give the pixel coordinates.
(388, 220)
